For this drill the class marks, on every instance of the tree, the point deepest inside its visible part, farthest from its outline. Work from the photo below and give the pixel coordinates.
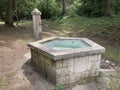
(91, 8)
(116, 6)
(2, 9)
(1, 14)
(49, 8)
(9, 13)
(71, 1)
(107, 8)
(64, 4)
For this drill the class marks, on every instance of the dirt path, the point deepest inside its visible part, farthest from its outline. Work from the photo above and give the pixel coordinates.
(14, 73)
(13, 45)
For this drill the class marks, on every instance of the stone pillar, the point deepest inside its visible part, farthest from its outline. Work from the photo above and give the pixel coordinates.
(37, 26)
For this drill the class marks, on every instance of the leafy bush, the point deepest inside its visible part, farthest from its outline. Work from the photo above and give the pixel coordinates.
(91, 8)
(49, 8)
(23, 9)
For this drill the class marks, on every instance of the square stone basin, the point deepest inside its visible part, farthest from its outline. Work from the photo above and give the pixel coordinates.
(65, 60)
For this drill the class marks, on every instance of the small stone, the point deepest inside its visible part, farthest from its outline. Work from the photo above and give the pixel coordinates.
(27, 55)
(107, 61)
(113, 64)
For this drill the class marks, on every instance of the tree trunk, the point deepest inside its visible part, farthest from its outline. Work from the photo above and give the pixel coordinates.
(9, 13)
(47, 8)
(71, 1)
(107, 8)
(117, 7)
(64, 4)
(1, 14)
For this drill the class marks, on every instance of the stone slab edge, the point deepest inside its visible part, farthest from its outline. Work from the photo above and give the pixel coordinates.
(66, 54)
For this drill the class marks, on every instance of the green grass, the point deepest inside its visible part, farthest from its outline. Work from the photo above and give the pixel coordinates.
(24, 22)
(60, 87)
(97, 78)
(83, 23)
(98, 26)
(114, 83)
(1, 23)
(113, 53)
(4, 83)
(20, 23)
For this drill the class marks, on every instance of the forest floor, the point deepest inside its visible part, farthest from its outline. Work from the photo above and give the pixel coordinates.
(16, 72)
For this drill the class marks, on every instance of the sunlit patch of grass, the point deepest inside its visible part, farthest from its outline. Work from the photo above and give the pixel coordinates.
(20, 23)
(24, 22)
(78, 23)
(1, 23)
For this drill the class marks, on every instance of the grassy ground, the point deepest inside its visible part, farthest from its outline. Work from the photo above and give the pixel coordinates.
(13, 46)
(105, 30)
(83, 23)
(113, 53)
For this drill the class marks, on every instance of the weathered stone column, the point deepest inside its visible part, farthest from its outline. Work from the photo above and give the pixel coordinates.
(37, 26)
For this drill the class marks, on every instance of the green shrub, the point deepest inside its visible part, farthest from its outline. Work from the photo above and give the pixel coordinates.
(91, 8)
(49, 8)
(60, 87)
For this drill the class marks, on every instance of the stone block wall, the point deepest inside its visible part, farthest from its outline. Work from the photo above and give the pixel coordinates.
(66, 71)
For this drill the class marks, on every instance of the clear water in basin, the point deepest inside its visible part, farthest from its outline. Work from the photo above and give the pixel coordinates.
(62, 44)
